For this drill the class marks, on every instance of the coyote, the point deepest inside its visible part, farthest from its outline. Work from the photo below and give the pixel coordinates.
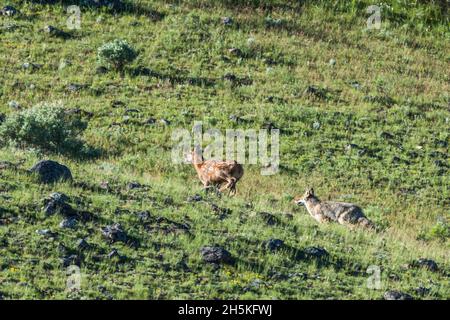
(213, 173)
(346, 214)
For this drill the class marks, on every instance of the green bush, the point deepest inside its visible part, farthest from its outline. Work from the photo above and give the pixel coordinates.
(46, 126)
(116, 54)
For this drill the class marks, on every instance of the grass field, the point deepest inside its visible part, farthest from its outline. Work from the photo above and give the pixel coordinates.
(364, 117)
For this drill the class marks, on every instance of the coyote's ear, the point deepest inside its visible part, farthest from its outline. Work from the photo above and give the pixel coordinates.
(310, 191)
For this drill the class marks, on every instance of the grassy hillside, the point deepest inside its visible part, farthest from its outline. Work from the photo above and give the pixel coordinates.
(364, 117)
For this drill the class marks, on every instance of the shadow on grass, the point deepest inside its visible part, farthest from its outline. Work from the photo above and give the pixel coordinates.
(196, 81)
(115, 6)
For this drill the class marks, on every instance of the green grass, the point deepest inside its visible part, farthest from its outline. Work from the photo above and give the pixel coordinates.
(394, 80)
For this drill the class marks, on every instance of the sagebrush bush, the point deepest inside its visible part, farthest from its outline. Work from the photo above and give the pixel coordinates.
(116, 54)
(46, 126)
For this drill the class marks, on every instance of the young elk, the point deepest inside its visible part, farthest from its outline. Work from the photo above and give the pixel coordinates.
(346, 214)
(213, 173)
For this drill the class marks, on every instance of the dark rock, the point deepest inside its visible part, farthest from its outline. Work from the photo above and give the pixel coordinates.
(101, 70)
(422, 291)
(114, 254)
(230, 77)
(55, 32)
(235, 51)
(386, 135)
(51, 171)
(195, 198)
(82, 244)
(14, 105)
(74, 87)
(46, 233)
(227, 21)
(61, 197)
(315, 92)
(31, 66)
(216, 254)
(274, 244)
(425, 263)
(8, 11)
(133, 185)
(2, 117)
(68, 223)
(144, 215)
(114, 233)
(396, 295)
(149, 121)
(70, 260)
(56, 203)
(269, 218)
(314, 252)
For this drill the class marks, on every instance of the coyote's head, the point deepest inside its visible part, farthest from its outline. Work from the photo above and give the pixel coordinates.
(309, 193)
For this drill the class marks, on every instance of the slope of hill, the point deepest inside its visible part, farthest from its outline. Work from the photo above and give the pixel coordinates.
(363, 117)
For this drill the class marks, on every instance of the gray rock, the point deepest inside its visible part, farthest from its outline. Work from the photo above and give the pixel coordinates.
(14, 105)
(315, 252)
(114, 233)
(55, 32)
(68, 223)
(274, 244)
(396, 295)
(46, 233)
(133, 185)
(51, 171)
(227, 21)
(8, 11)
(195, 198)
(216, 254)
(70, 260)
(425, 263)
(82, 244)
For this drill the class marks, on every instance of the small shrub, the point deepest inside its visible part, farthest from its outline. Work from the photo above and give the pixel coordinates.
(116, 54)
(46, 126)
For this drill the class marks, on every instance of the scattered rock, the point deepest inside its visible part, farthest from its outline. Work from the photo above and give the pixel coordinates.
(68, 223)
(143, 215)
(235, 51)
(164, 122)
(396, 295)
(74, 87)
(46, 233)
(31, 66)
(2, 117)
(82, 244)
(386, 135)
(216, 254)
(149, 121)
(227, 21)
(56, 203)
(269, 218)
(55, 32)
(315, 91)
(274, 244)
(70, 261)
(114, 254)
(195, 198)
(314, 253)
(51, 171)
(14, 105)
(8, 11)
(101, 70)
(422, 291)
(425, 263)
(133, 185)
(332, 62)
(114, 233)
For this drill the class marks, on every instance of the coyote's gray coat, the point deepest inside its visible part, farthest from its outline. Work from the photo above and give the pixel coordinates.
(344, 213)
